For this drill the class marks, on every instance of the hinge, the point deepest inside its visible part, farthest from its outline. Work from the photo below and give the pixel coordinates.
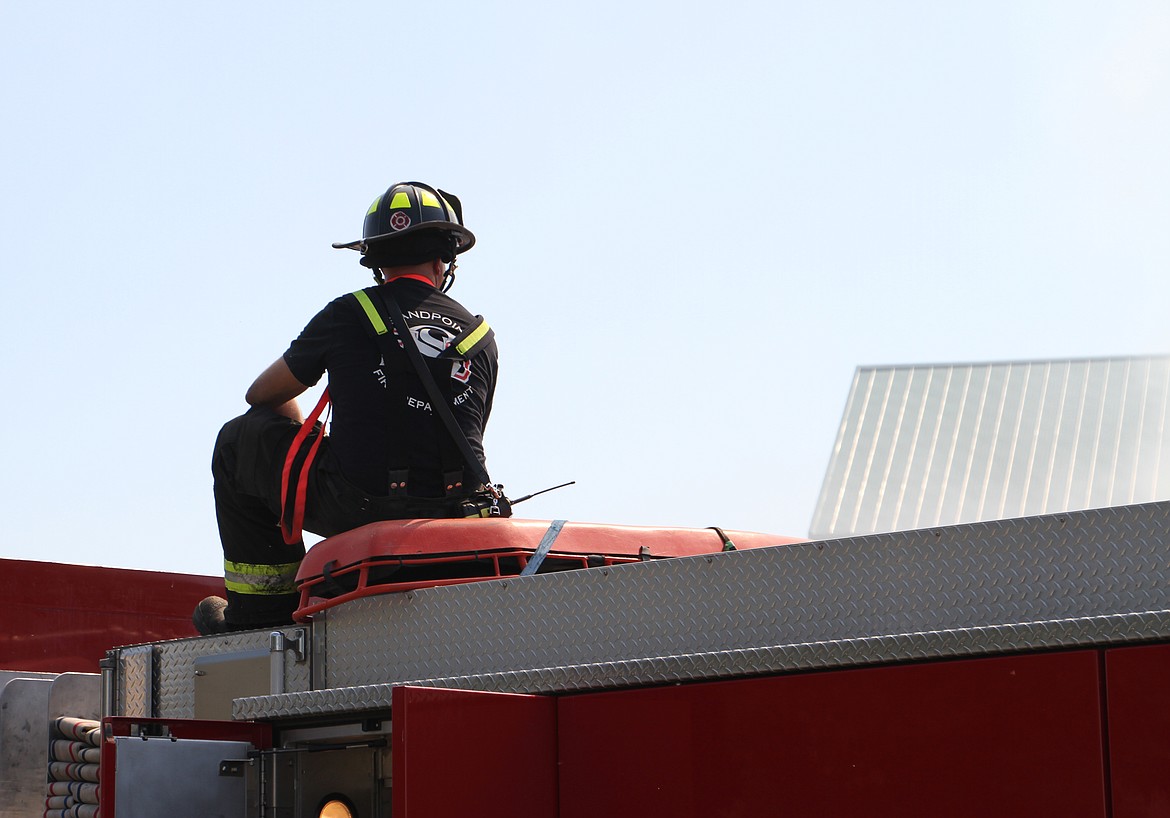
(279, 641)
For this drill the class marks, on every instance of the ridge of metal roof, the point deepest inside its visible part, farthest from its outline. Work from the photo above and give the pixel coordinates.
(1014, 362)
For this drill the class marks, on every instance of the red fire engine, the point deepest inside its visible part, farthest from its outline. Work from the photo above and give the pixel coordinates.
(452, 668)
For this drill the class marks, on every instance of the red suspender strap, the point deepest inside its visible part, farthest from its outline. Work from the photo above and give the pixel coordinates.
(292, 532)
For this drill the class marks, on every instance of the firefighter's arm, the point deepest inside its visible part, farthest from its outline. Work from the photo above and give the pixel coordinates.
(277, 389)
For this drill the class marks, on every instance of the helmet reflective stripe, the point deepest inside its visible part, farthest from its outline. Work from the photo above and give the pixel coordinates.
(371, 312)
(408, 209)
(251, 578)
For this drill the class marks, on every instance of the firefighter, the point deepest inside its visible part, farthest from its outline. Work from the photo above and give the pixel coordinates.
(390, 452)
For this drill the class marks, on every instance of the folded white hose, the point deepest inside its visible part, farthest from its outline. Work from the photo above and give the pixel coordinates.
(74, 769)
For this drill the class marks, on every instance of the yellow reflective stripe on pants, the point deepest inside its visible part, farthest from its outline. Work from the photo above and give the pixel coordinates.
(249, 578)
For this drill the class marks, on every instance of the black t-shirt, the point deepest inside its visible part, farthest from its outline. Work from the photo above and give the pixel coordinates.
(382, 416)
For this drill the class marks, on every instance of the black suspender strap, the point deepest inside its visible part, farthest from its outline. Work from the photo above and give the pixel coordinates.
(471, 460)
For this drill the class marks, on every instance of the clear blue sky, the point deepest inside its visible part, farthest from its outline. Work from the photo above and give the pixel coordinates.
(694, 220)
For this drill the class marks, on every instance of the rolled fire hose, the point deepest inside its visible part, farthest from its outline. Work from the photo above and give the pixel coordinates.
(74, 756)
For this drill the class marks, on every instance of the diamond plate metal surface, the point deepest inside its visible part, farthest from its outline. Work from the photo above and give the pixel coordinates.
(1092, 577)
(173, 690)
(968, 642)
(136, 681)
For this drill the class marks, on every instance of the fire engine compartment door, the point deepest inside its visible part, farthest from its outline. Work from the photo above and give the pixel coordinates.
(223, 677)
(161, 776)
(459, 753)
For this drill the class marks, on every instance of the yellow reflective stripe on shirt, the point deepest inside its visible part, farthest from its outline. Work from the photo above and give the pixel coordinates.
(371, 313)
(253, 578)
(472, 339)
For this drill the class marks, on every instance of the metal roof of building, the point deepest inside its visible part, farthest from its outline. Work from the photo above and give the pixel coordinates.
(922, 446)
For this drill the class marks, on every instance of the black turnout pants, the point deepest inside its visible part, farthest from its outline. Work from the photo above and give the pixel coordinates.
(259, 567)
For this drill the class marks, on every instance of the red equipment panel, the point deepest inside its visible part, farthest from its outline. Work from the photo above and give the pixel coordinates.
(1137, 679)
(459, 753)
(1006, 736)
(60, 618)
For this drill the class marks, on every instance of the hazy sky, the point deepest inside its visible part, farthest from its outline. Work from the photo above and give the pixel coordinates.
(695, 221)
